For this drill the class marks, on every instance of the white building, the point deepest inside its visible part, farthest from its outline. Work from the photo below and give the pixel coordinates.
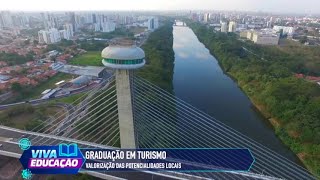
(224, 27)
(286, 29)
(265, 37)
(6, 19)
(49, 37)
(206, 17)
(96, 27)
(64, 34)
(153, 23)
(232, 26)
(108, 26)
(69, 30)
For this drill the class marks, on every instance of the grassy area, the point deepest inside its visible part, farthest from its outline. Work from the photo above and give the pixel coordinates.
(71, 99)
(137, 30)
(29, 92)
(91, 58)
(48, 84)
(27, 116)
(307, 56)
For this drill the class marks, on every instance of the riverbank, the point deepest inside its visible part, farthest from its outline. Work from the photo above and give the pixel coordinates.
(292, 106)
(159, 57)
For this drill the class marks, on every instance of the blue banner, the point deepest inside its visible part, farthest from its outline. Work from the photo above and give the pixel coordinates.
(62, 159)
(183, 160)
(69, 159)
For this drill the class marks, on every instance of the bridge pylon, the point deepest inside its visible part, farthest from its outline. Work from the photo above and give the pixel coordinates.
(124, 56)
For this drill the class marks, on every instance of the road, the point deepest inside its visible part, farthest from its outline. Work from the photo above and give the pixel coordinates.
(75, 113)
(10, 136)
(9, 139)
(36, 102)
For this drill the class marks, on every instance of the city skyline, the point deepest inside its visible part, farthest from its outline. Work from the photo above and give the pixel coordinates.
(277, 6)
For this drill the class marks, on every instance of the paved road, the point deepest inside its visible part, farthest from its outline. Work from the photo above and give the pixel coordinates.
(36, 102)
(9, 140)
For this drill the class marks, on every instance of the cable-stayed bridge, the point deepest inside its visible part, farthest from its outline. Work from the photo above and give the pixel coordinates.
(161, 120)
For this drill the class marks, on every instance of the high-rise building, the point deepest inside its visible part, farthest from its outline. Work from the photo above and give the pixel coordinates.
(72, 20)
(224, 27)
(1, 22)
(206, 17)
(285, 29)
(96, 27)
(153, 23)
(108, 26)
(94, 18)
(232, 26)
(88, 18)
(49, 36)
(49, 21)
(64, 35)
(6, 19)
(69, 30)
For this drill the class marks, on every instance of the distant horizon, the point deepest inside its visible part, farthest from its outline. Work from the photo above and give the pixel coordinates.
(270, 6)
(161, 11)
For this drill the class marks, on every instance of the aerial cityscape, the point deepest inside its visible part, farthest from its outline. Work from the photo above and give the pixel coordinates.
(175, 75)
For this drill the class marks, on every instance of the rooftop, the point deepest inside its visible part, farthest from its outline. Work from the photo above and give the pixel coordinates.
(82, 70)
(121, 52)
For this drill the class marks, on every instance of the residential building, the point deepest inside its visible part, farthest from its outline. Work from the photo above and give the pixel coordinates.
(49, 37)
(206, 17)
(6, 19)
(232, 26)
(224, 27)
(153, 23)
(108, 26)
(266, 37)
(69, 30)
(64, 34)
(250, 34)
(285, 29)
(243, 34)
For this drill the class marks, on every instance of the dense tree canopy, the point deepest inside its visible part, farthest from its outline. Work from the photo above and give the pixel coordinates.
(14, 59)
(119, 32)
(159, 57)
(92, 45)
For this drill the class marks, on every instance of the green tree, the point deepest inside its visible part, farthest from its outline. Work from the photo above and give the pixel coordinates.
(303, 40)
(35, 42)
(16, 87)
(26, 42)
(35, 125)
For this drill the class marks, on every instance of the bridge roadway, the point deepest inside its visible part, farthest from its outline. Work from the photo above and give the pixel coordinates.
(9, 139)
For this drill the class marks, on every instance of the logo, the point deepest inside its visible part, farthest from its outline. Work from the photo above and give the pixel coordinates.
(68, 150)
(61, 159)
(24, 144)
(26, 174)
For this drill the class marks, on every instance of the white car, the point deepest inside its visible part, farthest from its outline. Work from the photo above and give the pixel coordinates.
(0, 145)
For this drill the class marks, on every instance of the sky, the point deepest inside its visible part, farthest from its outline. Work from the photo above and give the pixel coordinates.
(280, 6)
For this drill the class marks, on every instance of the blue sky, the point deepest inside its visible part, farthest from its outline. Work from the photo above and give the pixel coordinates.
(285, 6)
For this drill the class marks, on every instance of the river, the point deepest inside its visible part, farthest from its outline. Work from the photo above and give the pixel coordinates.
(199, 80)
